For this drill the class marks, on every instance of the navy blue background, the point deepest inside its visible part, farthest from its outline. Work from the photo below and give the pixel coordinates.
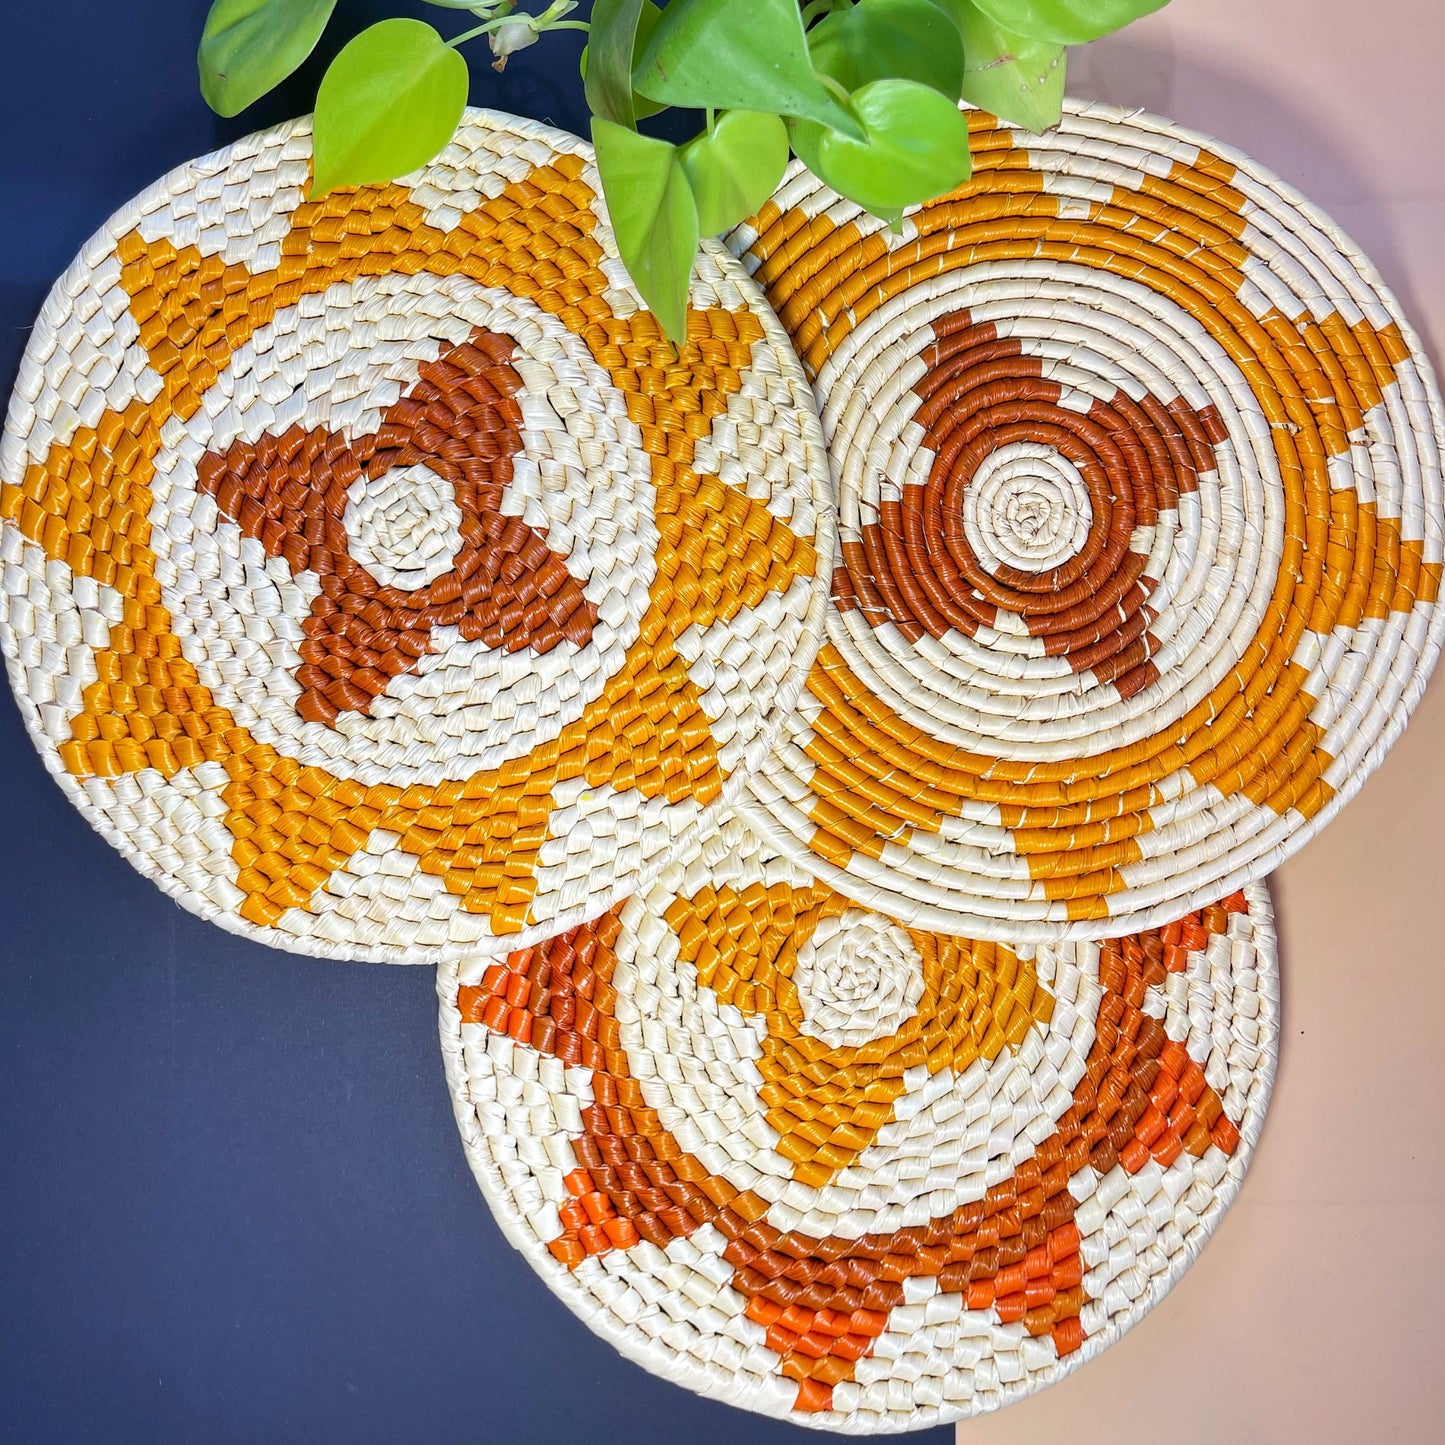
(233, 1204)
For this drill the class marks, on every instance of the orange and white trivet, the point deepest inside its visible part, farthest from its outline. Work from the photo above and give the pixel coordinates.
(375, 576)
(792, 1154)
(1140, 521)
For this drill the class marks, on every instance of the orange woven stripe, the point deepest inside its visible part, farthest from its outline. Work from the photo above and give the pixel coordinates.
(721, 551)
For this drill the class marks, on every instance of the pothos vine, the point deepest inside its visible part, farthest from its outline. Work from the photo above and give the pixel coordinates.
(864, 92)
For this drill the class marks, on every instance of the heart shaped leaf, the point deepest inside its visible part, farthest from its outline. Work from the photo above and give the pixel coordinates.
(250, 46)
(1066, 22)
(727, 56)
(654, 217)
(735, 167)
(880, 39)
(916, 147)
(1021, 81)
(389, 103)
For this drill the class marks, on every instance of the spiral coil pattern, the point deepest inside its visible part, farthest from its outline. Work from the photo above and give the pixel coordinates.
(1141, 526)
(369, 579)
(795, 1155)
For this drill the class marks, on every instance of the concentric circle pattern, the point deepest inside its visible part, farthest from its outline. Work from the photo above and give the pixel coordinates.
(790, 1153)
(377, 578)
(1141, 525)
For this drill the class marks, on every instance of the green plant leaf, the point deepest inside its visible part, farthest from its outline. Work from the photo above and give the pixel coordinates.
(654, 218)
(620, 28)
(1066, 22)
(729, 56)
(641, 106)
(916, 147)
(389, 103)
(250, 46)
(883, 39)
(735, 167)
(1021, 81)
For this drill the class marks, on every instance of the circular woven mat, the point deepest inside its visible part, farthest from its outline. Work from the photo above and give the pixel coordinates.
(1140, 520)
(376, 577)
(797, 1156)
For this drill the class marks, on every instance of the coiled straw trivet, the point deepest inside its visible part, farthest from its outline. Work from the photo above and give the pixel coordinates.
(1141, 531)
(376, 578)
(799, 1157)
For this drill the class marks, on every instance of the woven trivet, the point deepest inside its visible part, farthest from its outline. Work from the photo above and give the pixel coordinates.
(1140, 521)
(796, 1156)
(376, 577)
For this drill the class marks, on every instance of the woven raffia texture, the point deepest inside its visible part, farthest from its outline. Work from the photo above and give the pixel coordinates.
(1140, 522)
(797, 1156)
(376, 578)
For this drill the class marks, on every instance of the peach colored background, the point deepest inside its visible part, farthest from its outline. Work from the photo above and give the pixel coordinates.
(1315, 1313)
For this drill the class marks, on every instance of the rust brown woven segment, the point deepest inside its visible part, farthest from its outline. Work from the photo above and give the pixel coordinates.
(1137, 457)
(504, 587)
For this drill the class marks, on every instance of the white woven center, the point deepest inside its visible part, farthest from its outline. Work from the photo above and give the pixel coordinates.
(1027, 506)
(404, 526)
(859, 978)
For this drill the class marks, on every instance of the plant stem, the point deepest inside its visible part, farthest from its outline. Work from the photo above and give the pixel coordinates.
(540, 22)
(458, 40)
